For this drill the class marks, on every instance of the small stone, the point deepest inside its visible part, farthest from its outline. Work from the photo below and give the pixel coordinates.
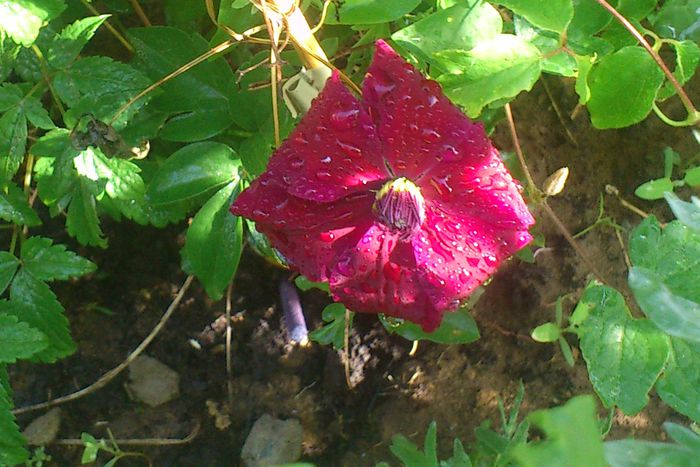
(44, 429)
(272, 442)
(152, 382)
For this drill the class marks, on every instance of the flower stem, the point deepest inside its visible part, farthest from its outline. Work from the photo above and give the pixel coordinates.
(293, 313)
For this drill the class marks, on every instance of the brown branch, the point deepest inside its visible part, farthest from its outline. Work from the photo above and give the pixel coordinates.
(111, 374)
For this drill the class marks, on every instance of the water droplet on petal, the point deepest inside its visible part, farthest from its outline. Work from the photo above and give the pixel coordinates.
(344, 119)
(349, 149)
(327, 237)
(260, 213)
(323, 175)
(326, 160)
(297, 162)
(430, 136)
(490, 260)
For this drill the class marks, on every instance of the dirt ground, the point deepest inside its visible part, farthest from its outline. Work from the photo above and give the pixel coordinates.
(457, 386)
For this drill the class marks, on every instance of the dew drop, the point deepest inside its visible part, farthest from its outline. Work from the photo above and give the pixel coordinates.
(297, 163)
(326, 160)
(473, 262)
(327, 237)
(430, 136)
(260, 213)
(349, 149)
(490, 260)
(344, 119)
(323, 175)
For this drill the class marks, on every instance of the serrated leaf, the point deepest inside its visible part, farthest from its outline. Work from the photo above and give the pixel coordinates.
(15, 208)
(22, 19)
(66, 45)
(19, 340)
(687, 213)
(334, 331)
(663, 276)
(13, 140)
(462, 26)
(623, 88)
(8, 267)
(12, 450)
(572, 434)
(555, 17)
(495, 69)
(100, 86)
(48, 262)
(654, 189)
(82, 221)
(679, 385)
(369, 11)
(192, 171)
(33, 302)
(214, 242)
(624, 355)
(198, 100)
(457, 327)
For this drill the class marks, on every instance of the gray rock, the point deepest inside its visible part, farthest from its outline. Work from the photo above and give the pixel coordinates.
(272, 442)
(152, 382)
(44, 429)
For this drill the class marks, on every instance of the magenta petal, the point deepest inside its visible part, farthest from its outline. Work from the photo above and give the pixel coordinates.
(457, 254)
(484, 191)
(418, 126)
(378, 275)
(332, 152)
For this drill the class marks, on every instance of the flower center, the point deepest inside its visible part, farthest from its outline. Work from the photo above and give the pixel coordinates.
(400, 206)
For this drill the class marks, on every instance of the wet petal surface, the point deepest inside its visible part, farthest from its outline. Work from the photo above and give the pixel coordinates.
(334, 151)
(418, 126)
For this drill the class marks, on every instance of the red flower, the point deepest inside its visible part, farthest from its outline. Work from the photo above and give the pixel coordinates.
(400, 202)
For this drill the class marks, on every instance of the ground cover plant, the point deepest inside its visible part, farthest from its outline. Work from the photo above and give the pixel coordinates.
(539, 303)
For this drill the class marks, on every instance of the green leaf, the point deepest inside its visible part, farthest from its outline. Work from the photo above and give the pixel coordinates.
(572, 434)
(555, 17)
(48, 262)
(584, 63)
(687, 213)
(305, 284)
(19, 340)
(462, 26)
(198, 100)
(692, 176)
(457, 327)
(547, 332)
(100, 86)
(637, 453)
(261, 245)
(636, 9)
(624, 355)
(82, 222)
(66, 45)
(334, 331)
(654, 189)
(192, 171)
(687, 58)
(15, 208)
(22, 19)
(13, 140)
(679, 385)
(8, 267)
(554, 59)
(33, 302)
(369, 11)
(663, 276)
(12, 450)
(623, 88)
(495, 69)
(214, 242)
(678, 20)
